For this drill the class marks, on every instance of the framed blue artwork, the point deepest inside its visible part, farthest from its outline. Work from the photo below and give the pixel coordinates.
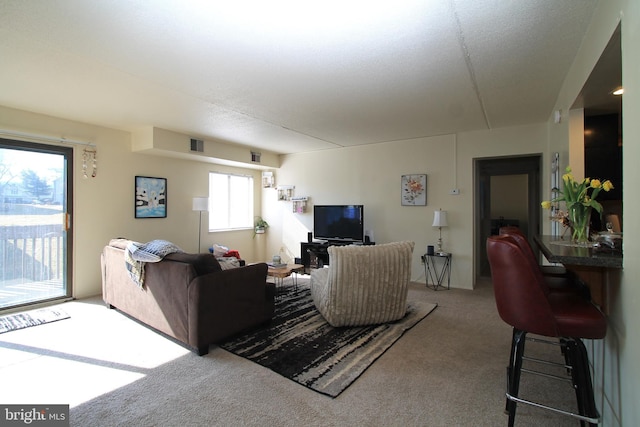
(151, 197)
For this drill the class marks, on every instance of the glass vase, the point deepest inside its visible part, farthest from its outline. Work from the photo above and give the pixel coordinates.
(579, 217)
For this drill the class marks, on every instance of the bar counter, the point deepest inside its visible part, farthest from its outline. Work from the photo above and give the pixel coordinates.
(598, 269)
(558, 250)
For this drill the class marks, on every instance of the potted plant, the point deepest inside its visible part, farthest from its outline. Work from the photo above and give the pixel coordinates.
(579, 197)
(260, 226)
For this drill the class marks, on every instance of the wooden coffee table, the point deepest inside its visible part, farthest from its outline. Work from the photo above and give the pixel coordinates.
(281, 273)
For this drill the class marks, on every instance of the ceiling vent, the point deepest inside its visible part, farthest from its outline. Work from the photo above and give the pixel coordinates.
(197, 145)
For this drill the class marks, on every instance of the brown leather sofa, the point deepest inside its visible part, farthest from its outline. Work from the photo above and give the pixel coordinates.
(188, 297)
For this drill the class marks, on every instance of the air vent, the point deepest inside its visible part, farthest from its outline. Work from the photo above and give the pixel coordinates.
(197, 145)
(255, 157)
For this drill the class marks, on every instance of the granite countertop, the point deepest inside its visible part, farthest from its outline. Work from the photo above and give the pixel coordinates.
(558, 250)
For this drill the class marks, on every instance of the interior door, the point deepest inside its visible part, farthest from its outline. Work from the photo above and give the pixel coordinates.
(35, 201)
(484, 169)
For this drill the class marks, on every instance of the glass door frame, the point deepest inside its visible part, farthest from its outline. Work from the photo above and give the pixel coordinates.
(67, 212)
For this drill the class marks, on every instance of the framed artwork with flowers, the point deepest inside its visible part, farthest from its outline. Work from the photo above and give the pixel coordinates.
(414, 190)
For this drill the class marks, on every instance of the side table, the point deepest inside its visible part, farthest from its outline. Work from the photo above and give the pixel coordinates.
(279, 274)
(431, 271)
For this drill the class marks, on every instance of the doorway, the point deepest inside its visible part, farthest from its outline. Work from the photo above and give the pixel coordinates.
(35, 207)
(507, 192)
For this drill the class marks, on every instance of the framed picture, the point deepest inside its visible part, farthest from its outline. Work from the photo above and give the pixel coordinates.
(414, 190)
(151, 197)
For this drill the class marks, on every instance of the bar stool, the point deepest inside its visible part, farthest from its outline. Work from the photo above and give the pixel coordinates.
(525, 303)
(547, 270)
(558, 278)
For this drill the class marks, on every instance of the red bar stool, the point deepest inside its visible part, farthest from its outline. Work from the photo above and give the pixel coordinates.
(558, 278)
(547, 270)
(525, 302)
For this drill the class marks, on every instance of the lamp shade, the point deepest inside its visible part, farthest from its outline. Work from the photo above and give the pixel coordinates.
(201, 204)
(440, 218)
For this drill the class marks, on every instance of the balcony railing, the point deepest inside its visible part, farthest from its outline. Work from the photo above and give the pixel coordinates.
(33, 252)
(31, 263)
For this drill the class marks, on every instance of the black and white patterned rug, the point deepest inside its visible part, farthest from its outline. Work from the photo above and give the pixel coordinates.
(27, 319)
(300, 345)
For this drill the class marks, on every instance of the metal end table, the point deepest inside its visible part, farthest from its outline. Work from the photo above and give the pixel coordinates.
(432, 273)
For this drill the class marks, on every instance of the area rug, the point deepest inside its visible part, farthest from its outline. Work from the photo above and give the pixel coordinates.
(300, 345)
(27, 319)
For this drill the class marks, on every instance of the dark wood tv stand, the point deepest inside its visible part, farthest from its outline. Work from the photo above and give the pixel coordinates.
(315, 255)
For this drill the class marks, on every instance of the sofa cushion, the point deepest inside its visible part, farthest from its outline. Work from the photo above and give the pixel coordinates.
(227, 263)
(202, 263)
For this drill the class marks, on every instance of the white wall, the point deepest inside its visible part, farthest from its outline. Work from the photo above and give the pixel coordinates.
(103, 206)
(370, 175)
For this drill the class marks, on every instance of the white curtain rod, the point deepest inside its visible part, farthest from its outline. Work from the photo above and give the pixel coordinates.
(44, 138)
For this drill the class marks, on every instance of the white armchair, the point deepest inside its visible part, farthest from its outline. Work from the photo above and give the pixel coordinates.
(363, 285)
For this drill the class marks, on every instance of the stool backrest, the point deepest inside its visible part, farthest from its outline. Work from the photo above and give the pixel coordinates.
(510, 229)
(520, 239)
(519, 287)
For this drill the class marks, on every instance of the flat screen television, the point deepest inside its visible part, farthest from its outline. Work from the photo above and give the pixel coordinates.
(338, 222)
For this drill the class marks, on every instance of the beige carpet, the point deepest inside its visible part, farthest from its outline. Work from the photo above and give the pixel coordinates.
(449, 370)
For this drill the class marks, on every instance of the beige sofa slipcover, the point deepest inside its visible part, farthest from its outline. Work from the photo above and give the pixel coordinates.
(363, 284)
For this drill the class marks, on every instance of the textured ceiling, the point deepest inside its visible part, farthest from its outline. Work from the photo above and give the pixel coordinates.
(291, 76)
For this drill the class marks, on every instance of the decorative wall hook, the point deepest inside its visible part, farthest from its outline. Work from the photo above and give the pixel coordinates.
(92, 157)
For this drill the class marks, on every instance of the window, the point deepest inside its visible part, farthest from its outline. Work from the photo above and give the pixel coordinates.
(230, 201)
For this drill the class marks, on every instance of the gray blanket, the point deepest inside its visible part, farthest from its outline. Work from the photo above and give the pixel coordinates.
(137, 254)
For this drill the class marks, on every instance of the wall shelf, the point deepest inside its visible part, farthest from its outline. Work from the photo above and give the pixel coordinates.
(299, 204)
(268, 180)
(285, 192)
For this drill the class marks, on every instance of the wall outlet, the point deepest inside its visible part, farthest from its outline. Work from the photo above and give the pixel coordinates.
(454, 192)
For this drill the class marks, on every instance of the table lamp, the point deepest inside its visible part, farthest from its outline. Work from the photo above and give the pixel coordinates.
(440, 220)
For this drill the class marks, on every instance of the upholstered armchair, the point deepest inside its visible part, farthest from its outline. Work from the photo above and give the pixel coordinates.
(363, 285)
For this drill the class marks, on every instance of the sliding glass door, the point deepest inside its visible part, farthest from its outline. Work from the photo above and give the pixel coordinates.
(35, 201)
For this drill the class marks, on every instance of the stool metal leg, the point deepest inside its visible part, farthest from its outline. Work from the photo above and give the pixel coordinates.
(571, 353)
(581, 375)
(577, 364)
(510, 367)
(519, 340)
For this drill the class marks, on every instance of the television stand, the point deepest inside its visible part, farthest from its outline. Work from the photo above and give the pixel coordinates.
(315, 255)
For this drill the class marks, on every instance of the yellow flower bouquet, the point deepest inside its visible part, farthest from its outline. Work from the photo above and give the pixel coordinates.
(580, 198)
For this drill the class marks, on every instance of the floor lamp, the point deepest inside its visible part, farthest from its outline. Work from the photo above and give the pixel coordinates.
(440, 220)
(200, 204)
